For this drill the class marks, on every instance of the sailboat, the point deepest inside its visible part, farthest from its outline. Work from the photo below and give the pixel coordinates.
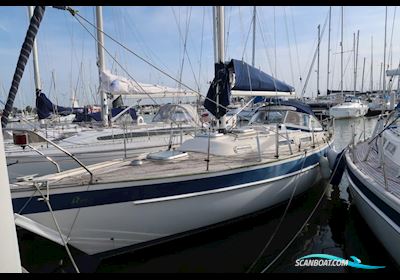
(372, 168)
(352, 107)
(221, 174)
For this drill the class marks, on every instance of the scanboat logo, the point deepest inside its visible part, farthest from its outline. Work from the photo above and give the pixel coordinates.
(329, 260)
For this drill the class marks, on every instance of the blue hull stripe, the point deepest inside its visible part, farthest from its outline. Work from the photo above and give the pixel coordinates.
(383, 206)
(125, 194)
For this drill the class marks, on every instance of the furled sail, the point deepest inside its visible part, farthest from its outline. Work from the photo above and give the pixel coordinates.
(219, 92)
(22, 60)
(118, 85)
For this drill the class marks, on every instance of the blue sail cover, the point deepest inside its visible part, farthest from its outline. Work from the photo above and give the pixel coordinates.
(248, 78)
(114, 111)
(45, 107)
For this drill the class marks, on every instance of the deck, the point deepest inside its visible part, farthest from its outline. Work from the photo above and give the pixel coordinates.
(373, 169)
(194, 164)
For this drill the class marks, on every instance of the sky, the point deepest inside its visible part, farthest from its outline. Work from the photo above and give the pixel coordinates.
(286, 40)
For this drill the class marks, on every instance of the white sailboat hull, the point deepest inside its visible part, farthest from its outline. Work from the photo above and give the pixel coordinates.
(384, 228)
(113, 226)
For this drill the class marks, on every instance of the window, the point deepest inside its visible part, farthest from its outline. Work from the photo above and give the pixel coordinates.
(293, 118)
(315, 123)
(267, 117)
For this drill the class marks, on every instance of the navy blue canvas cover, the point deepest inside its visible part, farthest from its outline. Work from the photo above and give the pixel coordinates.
(248, 78)
(45, 107)
(221, 81)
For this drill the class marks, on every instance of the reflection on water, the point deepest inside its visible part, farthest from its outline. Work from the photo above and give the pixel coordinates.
(336, 228)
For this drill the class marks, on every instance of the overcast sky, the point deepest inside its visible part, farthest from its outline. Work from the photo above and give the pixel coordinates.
(67, 52)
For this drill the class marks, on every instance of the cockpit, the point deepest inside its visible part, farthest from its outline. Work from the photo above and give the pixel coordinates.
(286, 115)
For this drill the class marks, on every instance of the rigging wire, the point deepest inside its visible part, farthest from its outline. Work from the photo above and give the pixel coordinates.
(227, 33)
(315, 55)
(76, 15)
(269, 60)
(119, 64)
(184, 41)
(282, 217)
(247, 39)
(391, 39)
(308, 218)
(260, 19)
(290, 54)
(185, 50)
(297, 49)
(201, 46)
(147, 50)
(266, 51)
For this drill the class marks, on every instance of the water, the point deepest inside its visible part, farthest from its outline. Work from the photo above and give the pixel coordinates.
(335, 228)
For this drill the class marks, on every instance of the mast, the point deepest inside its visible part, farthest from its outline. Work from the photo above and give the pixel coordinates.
(275, 73)
(341, 58)
(9, 257)
(355, 69)
(384, 58)
(372, 68)
(362, 79)
(254, 36)
(354, 62)
(214, 10)
(380, 78)
(219, 23)
(329, 49)
(101, 63)
(319, 41)
(36, 73)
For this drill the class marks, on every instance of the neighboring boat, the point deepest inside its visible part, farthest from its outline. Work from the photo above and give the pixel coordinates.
(372, 168)
(94, 142)
(377, 105)
(321, 105)
(352, 107)
(172, 125)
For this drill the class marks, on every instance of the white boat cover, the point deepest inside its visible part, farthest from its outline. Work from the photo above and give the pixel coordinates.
(118, 85)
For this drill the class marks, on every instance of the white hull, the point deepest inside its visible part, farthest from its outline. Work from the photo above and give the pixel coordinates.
(113, 226)
(348, 112)
(385, 229)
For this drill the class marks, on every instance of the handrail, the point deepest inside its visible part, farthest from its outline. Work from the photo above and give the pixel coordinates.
(55, 145)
